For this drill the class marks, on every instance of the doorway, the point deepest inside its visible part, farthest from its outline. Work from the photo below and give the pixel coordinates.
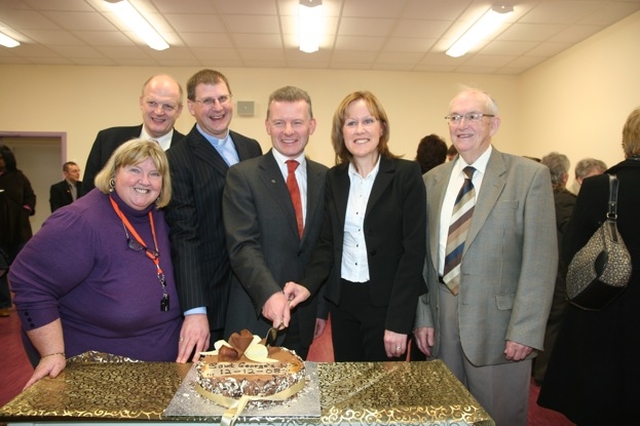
(40, 156)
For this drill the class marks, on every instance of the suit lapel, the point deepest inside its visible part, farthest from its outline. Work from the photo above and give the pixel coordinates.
(383, 180)
(493, 183)
(241, 145)
(204, 150)
(436, 184)
(340, 189)
(271, 177)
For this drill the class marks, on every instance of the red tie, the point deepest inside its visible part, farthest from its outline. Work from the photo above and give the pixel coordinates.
(294, 190)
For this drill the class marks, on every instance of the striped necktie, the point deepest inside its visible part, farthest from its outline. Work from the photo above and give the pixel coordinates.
(460, 221)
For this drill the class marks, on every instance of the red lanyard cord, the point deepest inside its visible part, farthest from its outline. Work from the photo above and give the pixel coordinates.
(154, 255)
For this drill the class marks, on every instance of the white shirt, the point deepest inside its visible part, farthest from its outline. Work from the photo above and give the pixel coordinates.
(355, 266)
(455, 183)
(164, 140)
(301, 176)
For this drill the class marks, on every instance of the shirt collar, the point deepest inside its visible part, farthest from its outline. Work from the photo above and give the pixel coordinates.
(480, 164)
(162, 140)
(282, 160)
(371, 175)
(212, 139)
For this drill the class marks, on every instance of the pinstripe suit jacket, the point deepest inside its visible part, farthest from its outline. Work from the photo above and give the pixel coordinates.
(198, 244)
(106, 142)
(264, 246)
(509, 261)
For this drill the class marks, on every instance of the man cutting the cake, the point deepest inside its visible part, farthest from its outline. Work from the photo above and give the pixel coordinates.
(272, 208)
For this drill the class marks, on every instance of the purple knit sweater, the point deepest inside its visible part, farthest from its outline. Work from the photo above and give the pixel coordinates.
(79, 268)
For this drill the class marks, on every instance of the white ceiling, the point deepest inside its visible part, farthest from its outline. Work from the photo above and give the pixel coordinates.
(398, 35)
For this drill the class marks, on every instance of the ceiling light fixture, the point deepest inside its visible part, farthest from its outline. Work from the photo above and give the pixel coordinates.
(310, 22)
(137, 23)
(487, 24)
(7, 41)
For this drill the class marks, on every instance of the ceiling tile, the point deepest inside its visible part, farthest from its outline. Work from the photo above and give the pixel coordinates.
(204, 23)
(403, 35)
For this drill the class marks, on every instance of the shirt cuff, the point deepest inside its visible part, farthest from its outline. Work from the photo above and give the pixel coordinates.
(201, 310)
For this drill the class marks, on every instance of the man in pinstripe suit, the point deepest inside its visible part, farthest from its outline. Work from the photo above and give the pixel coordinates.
(199, 165)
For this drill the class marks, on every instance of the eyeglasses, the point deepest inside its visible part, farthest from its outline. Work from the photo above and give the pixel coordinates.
(366, 122)
(136, 246)
(474, 117)
(209, 102)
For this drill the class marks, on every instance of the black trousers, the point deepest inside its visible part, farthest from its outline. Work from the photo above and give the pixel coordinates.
(357, 327)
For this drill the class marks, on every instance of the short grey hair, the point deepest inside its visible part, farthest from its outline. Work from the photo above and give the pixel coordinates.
(558, 165)
(587, 165)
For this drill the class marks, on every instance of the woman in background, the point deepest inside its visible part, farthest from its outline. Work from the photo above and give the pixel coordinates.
(432, 151)
(98, 275)
(593, 375)
(372, 245)
(17, 203)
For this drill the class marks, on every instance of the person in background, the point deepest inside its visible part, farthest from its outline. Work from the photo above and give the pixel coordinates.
(371, 249)
(432, 151)
(17, 203)
(116, 294)
(161, 104)
(491, 262)
(565, 201)
(593, 373)
(199, 166)
(65, 192)
(451, 152)
(269, 244)
(588, 167)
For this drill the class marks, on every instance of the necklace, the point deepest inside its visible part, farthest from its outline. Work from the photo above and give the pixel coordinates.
(137, 244)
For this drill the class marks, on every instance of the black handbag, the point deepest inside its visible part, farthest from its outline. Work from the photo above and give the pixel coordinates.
(600, 270)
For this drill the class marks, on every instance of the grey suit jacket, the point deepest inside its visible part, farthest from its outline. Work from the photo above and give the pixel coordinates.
(198, 245)
(509, 261)
(262, 236)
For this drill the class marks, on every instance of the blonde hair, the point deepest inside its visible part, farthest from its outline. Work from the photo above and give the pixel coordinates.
(135, 152)
(631, 134)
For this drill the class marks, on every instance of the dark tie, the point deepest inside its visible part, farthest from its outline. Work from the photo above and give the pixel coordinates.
(74, 191)
(294, 191)
(460, 221)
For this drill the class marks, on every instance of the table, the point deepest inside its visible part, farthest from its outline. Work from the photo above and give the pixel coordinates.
(94, 392)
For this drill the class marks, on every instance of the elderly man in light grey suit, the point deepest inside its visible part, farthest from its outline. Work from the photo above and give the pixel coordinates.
(486, 317)
(269, 244)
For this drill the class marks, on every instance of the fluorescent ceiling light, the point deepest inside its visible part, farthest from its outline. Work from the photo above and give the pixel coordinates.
(137, 23)
(489, 22)
(7, 41)
(310, 23)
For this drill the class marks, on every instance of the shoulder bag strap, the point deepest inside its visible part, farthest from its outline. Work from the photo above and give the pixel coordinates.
(612, 214)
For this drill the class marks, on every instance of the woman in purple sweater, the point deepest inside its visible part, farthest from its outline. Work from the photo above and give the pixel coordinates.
(98, 275)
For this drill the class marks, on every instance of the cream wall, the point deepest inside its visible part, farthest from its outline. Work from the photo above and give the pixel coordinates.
(83, 100)
(575, 103)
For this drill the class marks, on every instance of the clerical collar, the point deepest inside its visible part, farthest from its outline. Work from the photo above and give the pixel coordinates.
(212, 139)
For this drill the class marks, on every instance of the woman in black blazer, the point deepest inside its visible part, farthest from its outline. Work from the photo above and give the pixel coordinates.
(372, 246)
(594, 370)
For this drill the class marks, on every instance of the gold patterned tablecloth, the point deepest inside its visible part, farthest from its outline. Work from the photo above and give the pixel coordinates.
(420, 393)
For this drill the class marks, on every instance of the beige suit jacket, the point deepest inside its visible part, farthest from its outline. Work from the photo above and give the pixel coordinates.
(509, 261)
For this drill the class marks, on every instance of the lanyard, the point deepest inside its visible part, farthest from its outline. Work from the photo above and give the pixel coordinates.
(154, 255)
